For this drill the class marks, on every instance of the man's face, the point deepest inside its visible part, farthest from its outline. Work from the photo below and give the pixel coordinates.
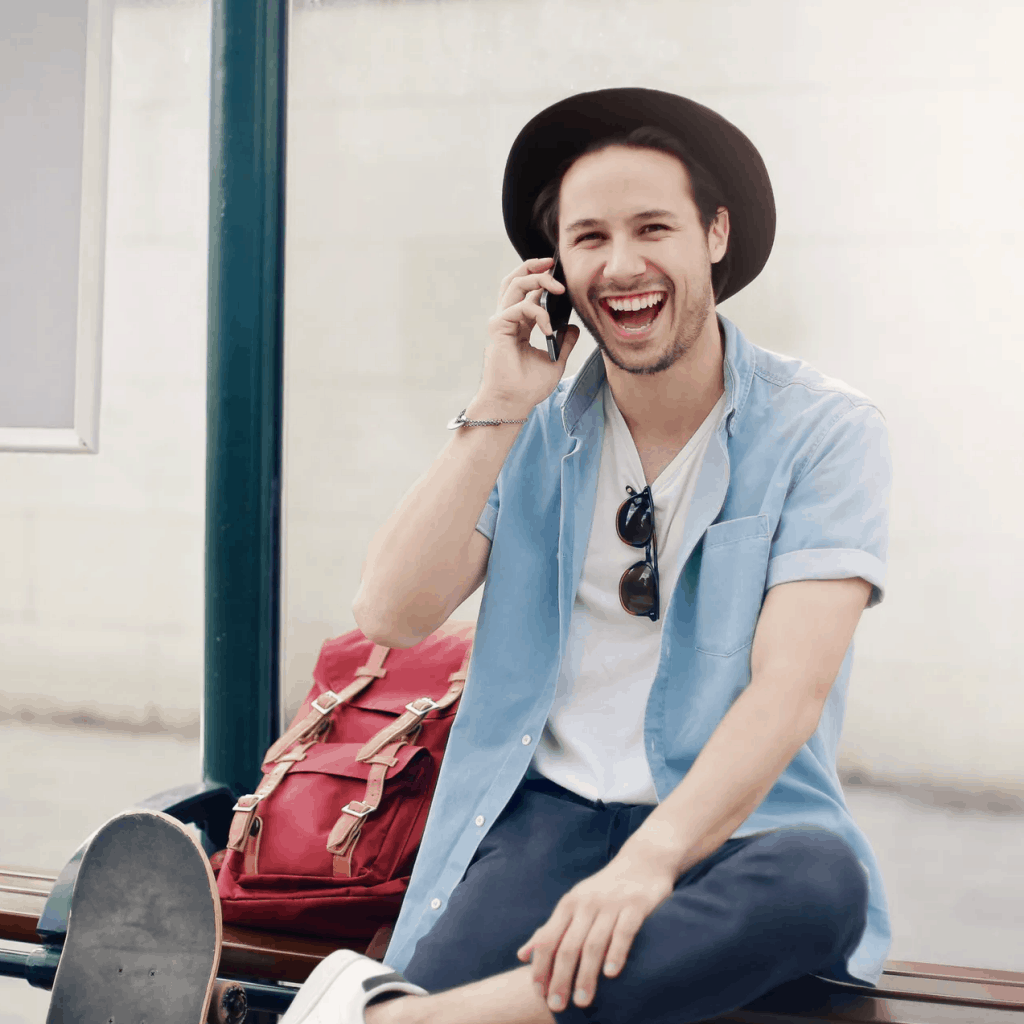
(637, 260)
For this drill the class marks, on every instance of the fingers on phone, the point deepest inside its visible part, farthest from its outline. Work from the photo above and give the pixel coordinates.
(536, 266)
(525, 314)
(532, 310)
(517, 284)
(521, 287)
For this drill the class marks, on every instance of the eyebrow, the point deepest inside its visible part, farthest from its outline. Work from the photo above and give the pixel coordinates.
(589, 222)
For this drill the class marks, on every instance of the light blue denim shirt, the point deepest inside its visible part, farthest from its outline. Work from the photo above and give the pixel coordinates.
(794, 486)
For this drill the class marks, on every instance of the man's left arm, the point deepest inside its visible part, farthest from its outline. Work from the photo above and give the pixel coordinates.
(802, 636)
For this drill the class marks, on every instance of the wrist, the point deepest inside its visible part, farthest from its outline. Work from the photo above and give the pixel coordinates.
(495, 407)
(657, 848)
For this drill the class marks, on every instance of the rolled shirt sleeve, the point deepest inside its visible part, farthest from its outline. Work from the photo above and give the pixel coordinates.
(489, 517)
(835, 522)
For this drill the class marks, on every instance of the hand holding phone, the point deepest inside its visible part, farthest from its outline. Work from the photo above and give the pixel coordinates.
(516, 376)
(559, 309)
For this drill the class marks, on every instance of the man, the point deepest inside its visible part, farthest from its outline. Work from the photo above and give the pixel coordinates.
(638, 817)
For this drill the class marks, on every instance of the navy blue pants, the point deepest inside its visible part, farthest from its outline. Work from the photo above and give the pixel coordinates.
(759, 912)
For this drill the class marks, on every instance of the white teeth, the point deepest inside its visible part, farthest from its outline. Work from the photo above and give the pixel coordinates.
(635, 302)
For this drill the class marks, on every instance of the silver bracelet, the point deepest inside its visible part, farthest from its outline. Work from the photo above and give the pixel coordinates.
(461, 421)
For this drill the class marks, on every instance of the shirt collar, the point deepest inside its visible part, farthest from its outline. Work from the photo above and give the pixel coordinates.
(739, 372)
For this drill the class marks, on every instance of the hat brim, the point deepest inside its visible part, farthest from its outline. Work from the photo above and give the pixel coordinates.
(567, 128)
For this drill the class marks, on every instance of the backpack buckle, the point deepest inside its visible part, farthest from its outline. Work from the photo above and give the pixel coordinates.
(349, 809)
(254, 797)
(332, 699)
(417, 708)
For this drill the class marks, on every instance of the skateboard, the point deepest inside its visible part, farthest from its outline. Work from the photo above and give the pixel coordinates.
(144, 933)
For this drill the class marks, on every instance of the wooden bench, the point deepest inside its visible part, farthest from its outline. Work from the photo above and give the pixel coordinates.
(908, 993)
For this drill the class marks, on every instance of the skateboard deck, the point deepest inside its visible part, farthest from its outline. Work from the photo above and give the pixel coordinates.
(144, 933)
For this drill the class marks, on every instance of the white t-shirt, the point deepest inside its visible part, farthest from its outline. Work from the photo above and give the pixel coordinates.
(593, 743)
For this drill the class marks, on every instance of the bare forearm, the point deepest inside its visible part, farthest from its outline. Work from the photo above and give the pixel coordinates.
(421, 559)
(803, 633)
(428, 558)
(752, 746)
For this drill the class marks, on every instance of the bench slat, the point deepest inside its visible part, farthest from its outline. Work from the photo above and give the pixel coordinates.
(913, 969)
(248, 953)
(879, 1011)
(19, 911)
(27, 876)
(904, 1000)
(950, 990)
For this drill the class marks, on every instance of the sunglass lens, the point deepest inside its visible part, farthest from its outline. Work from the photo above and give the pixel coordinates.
(634, 521)
(637, 590)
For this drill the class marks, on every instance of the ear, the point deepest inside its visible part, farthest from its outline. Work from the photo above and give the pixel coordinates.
(718, 235)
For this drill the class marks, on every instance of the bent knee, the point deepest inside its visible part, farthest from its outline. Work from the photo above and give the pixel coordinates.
(819, 866)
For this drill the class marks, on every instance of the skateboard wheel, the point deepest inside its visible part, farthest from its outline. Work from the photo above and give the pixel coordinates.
(228, 1005)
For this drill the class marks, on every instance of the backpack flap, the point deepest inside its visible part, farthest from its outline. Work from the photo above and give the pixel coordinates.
(291, 837)
(343, 837)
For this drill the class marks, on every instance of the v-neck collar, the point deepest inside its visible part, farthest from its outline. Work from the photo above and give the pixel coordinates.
(616, 422)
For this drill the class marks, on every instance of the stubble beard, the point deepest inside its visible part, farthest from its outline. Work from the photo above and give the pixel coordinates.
(694, 319)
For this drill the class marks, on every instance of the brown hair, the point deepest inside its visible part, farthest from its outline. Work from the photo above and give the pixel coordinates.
(707, 194)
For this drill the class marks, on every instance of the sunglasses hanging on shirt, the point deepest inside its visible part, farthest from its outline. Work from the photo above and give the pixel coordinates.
(638, 588)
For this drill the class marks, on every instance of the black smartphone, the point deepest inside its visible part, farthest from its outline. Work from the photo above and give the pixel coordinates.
(558, 309)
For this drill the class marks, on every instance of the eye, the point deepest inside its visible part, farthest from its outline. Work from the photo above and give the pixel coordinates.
(655, 227)
(590, 236)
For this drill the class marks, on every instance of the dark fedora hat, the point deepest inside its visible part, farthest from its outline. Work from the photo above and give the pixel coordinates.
(565, 129)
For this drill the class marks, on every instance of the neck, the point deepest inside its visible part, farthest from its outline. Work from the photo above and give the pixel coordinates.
(669, 406)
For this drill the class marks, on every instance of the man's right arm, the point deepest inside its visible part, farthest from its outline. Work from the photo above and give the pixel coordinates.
(428, 557)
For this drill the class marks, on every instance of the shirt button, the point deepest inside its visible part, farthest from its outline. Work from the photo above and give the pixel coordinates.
(435, 903)
(526, 740)
(479, 820)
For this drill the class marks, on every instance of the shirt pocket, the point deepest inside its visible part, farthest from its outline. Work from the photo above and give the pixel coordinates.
(733, 573)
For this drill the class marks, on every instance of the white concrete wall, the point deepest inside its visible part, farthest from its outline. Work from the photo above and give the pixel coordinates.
(101, 556)
(893, 137)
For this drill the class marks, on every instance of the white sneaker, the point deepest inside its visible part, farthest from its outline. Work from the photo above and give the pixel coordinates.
(340, 987)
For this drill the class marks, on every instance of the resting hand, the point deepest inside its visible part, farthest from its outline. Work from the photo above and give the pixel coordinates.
(594, 925)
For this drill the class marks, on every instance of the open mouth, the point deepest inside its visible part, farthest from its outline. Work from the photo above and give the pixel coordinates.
(634, 314)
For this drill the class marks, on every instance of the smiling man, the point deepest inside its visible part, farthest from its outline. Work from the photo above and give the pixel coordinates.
(638, 817)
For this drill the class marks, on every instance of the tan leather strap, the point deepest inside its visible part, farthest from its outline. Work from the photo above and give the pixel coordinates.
(251, 848)
(379, 943)
(379, 752)
(462, 672)
(246, 807)
(342, 840)
(316, 721)
(415, 711)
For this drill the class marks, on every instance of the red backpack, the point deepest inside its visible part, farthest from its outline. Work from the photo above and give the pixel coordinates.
(325, 845)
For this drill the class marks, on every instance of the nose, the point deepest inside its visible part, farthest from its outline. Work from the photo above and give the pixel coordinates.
(625, 263)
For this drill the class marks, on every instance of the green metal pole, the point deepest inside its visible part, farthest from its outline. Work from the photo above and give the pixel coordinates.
(244, 388)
